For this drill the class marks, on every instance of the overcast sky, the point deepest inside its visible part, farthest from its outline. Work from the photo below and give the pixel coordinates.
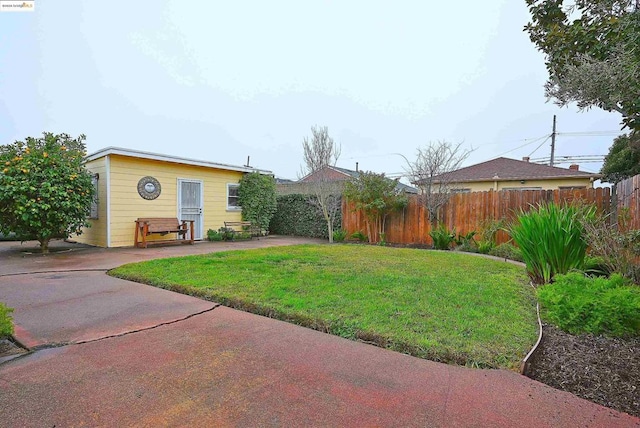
(223, 80)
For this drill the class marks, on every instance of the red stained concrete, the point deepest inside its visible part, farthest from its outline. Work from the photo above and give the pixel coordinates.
(229, 368)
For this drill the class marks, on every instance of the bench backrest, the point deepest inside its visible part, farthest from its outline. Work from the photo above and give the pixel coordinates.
(161, 224)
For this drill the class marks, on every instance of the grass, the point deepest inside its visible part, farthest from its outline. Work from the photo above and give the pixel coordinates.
(443, 306)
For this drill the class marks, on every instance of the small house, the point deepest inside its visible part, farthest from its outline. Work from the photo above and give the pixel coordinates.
(133, 184)
(329, 174)
(511, 174)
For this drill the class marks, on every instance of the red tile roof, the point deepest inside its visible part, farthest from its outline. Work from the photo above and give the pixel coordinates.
(512, 169)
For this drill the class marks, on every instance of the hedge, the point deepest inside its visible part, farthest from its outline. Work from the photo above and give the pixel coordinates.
(295, 216)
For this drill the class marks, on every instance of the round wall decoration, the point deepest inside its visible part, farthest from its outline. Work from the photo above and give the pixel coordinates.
(149, 188)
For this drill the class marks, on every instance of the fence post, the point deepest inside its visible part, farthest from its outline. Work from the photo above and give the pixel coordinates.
(614, 206)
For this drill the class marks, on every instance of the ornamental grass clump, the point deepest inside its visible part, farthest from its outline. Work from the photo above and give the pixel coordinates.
(551, 239)
(442, 237)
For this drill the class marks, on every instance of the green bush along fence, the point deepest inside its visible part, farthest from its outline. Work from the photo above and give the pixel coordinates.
(296, 216)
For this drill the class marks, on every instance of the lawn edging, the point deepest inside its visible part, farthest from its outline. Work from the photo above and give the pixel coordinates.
(526, 362)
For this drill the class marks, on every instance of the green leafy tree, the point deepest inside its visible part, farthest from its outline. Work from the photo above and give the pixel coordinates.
(623, 160)
(376, 196)
(592, 55)
(45, 191)
(257, 197)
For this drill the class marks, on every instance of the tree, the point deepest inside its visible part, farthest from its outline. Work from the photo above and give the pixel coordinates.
(45, 191)
(592, 54)
(430, 172)
(321, 152)
(623, 160)
(257, 197)
(377, 196)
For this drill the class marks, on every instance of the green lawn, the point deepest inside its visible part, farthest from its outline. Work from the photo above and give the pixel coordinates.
(442, 306)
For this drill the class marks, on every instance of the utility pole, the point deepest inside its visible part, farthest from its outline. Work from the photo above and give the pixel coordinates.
(553, 142)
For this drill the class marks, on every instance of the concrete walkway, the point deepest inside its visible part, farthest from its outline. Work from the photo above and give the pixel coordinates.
(115, 353)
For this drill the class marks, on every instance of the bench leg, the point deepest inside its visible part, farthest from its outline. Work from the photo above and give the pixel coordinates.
(191, 232)
(135, 241)
(145, 231)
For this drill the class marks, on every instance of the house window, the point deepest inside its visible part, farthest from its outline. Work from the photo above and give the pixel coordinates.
(232, 197)
(93, 213)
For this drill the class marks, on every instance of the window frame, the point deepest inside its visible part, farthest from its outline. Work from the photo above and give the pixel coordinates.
(236, 207)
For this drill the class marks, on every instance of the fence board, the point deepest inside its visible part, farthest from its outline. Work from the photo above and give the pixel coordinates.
(466, 212)
(629, 200)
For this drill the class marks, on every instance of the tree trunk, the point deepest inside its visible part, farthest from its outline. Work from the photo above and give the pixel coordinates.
(44, 245)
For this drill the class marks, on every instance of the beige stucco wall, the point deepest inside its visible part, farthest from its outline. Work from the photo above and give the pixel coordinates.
(126, 205)
(481, 186)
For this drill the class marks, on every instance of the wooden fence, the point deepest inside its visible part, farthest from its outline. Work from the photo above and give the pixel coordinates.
(629, 199)
(466, 212)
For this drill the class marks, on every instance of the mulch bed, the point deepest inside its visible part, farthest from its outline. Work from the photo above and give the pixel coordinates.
(601, 369)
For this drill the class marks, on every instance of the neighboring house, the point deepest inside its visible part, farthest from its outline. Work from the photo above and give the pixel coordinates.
(512, 174)
(133, 184)
(329, 174)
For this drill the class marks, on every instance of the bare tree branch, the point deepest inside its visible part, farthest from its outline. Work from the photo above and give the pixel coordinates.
(321, 153)
(430, 171)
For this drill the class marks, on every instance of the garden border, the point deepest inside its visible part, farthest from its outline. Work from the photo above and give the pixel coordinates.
(526, 362)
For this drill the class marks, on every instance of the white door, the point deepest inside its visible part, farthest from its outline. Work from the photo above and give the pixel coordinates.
(190, 204)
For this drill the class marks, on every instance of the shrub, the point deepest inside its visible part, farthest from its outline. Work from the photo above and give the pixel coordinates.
(507, 251)
(466, 242)
(214, 235)
(257, 197)
(339, 235)
(295, 215)
(615, 244)
(580, 304)
(442, 237)
(45, 190)
(226, 233)
(551, 239)
(489, 229)
(466, 239)
(376, 196)
(596, 266)
(484, 247)
(6, 322)
(239, 236)
(359, 235)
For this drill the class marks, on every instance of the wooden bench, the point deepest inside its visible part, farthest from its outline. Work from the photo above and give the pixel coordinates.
(238, 227)
(163, 226)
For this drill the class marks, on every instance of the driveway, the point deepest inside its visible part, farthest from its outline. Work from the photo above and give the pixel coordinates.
(114, 353)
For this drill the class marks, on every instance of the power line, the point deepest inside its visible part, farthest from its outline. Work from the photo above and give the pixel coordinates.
(541, 144)
(591, 133)
(522, 146)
